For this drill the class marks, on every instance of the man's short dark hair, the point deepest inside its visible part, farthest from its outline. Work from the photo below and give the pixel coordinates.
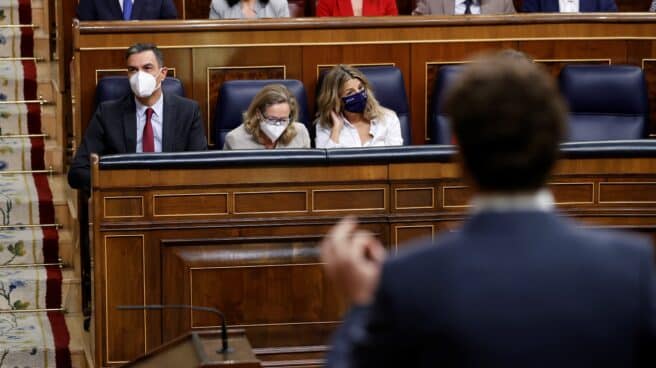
(141, 47)
(508, 118)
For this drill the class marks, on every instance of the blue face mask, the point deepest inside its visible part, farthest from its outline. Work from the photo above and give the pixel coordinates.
(355, 102)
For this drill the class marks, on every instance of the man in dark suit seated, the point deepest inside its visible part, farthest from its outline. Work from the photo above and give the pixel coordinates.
(126, 9)
(517, 285)
(568, 6)
(146, 120)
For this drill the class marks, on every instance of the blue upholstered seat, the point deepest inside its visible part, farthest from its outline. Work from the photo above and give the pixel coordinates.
(115, 87)
(235, 97)
(439, 129)
(606, 102)
(389, 88)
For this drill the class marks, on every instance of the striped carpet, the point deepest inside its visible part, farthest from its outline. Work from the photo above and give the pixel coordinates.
(33, 331)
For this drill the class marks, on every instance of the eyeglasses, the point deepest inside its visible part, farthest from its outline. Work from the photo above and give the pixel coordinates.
(276, 121)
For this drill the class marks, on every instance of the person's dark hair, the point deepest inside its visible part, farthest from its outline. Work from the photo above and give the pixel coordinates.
(508, 118)
(141, 47)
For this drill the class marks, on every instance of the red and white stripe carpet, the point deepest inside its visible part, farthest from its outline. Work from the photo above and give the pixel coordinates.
(33, 331)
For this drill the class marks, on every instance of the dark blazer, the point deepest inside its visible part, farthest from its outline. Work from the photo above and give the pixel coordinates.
(522, 289)
(113, 129)
(111, 10)
(343, 8)
(585, 6)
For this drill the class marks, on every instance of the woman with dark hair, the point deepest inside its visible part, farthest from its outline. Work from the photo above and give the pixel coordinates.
(243, 9)
(349, 114)
(270, 122)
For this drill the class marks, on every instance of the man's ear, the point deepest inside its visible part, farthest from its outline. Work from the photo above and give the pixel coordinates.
(164, 72)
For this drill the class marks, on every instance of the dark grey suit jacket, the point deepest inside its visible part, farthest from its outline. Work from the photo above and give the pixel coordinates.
(111, 10)
(113, 129)
(522, 289)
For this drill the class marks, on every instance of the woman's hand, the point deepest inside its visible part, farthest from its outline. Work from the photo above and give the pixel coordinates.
(338, 124)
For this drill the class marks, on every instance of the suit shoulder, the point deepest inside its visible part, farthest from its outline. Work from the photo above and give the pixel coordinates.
(182, 100)
(425, 248)
(612, 241)
(119, 102)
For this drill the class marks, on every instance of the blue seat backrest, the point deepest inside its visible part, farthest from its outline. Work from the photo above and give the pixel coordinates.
(389, 88)
(607, 102)
(235, 96)
(114, 87)
(439, 128)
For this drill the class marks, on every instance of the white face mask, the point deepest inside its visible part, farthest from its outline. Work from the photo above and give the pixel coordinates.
(143, 84)
(273, 130)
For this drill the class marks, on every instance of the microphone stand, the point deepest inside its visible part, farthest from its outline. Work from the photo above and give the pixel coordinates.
(224, 330)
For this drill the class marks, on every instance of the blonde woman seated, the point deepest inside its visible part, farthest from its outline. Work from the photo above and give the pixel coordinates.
(350, 116)
(270, 122)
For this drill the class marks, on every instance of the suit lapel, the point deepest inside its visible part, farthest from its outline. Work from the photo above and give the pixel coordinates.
(168, 125)
(116, 9)
(136, 9)
(449, 7)
(130, 125)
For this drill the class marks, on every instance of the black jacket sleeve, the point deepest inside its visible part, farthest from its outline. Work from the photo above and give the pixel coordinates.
(79, 176)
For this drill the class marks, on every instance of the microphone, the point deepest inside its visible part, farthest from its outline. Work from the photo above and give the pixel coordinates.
(224, 331)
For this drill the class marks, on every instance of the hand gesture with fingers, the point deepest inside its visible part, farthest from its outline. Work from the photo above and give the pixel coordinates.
(353, 259)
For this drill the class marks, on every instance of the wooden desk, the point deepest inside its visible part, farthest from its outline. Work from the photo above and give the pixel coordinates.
(204, 54)
(243, 238)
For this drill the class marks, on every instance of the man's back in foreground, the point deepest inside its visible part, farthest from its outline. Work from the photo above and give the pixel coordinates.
(515, 289)
(517, 286)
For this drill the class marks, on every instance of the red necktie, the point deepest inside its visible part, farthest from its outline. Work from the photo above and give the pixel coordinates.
(148, 139)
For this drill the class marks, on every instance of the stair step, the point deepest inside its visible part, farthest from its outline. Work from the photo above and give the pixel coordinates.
(71, 291)
(80, 340)
(54, 156)
(68, 252)
(49, 122)
(42, 44)
(60, 194)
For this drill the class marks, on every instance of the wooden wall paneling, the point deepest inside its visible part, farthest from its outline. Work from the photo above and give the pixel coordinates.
(643, 53)
(426, 59)
(91, 64)
(213, 66)
(574, 192)
(575, 51)
(196, 9)
(633, 5)
(180, 7)
(125, 284)
(317, 57)
(402, 233)
(180, 65)
(633, 191)
(414, 197)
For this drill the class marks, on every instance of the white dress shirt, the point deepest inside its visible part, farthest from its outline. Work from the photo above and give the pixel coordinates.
(385, 131)
(568, 6)
(541, 200)
(475, 7)
(120, 2)
(156, 121)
